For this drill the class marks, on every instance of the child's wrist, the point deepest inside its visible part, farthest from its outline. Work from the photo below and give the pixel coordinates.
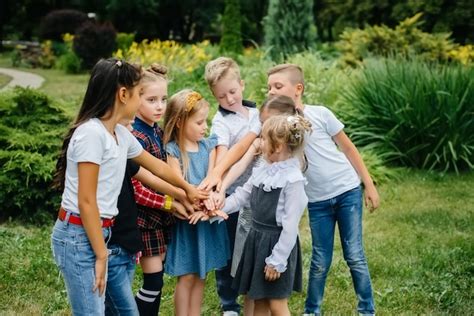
(168, 204)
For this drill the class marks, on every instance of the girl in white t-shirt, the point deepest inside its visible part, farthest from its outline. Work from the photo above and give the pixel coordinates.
(90, 171)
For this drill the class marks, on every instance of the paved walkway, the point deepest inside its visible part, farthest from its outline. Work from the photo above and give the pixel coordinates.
(21, 78)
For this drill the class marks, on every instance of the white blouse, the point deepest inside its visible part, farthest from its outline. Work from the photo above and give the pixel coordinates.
(291, 203)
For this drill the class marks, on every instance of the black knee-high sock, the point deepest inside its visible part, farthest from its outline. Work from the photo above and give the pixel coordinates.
(149, 296)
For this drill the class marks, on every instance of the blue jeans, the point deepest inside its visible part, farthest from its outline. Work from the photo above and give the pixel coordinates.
(119, 298)
(75, 259)
(346, 210)
(227, 294)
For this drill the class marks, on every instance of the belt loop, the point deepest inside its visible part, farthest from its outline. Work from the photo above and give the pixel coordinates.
(66, 219)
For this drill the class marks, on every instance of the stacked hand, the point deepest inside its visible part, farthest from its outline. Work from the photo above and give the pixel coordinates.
(208, 208)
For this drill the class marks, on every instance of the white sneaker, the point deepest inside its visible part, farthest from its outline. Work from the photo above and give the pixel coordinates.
(230, 313)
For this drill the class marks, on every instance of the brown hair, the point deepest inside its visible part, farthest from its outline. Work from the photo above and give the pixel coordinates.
(154, 72)
(293, 72)
(219, 68)
(286, 129)
(181, 106)
(280, 103)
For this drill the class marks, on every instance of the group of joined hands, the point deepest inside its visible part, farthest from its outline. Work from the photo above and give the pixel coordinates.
(207, 202)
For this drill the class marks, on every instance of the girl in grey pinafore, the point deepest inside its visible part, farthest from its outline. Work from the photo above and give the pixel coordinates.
(263, 235)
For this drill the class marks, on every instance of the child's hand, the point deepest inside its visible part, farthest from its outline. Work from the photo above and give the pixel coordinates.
(179, 210)
(188, 206)
(198, 216)
(219, 199)
(270, 273)
(100, 271)
(209, 203)
(372, 199)
(211, 181)
(194, 194)
(217, 212)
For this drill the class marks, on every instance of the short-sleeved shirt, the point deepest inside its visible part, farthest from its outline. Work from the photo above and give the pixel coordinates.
(198, 161)
(91, 142)
(329, 172)
(125, 231)
(230, 127)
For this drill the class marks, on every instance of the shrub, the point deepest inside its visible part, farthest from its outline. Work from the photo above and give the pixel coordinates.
(405, 40)
(31, 129)
(177, 57)
(58, 22)
(289, 27)
(94, 41)
(69, 61)
(125, 40)
(414, 113)
(231, 40)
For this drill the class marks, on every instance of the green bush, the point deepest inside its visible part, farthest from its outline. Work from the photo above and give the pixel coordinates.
(414, 113)
(289, 27)
(124, 40)
(405, 40)
(31, 129)
(69, 62)
(231, 40)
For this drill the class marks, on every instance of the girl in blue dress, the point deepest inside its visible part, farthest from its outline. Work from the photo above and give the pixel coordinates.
(197, 247)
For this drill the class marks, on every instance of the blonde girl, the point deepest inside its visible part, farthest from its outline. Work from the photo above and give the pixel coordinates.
(196, 249)
(270, 266)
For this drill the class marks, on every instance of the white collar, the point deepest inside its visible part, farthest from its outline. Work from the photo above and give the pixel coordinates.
(277, 174)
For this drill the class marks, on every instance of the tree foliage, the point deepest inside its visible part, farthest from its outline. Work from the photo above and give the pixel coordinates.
(288, 27)
(231, 40)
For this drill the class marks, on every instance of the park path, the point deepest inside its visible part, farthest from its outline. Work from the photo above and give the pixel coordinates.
(21, 78)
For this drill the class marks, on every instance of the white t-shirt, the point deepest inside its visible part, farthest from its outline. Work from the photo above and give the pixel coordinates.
(329, 172)
(91, 142)
(230, 128)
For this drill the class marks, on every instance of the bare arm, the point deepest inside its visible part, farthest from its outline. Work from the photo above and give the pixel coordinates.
(233, 154)
(372, 199)
(164, 171)
(88, 174)
(159, 185)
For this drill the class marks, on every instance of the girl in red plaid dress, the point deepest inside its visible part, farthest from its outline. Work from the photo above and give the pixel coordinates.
(154, 220)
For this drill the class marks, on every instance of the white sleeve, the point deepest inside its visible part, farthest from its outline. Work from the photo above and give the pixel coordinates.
(255, 124)
(134, 148)
(221, 130)
(87, 144)
(294, 206)
(332, 124)
(239, 199)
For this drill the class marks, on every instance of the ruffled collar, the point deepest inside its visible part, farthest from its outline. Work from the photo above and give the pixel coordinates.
(277, 174)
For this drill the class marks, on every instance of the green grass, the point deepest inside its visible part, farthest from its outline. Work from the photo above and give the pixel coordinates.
(419, 246)
(4, 80)
(57, 84)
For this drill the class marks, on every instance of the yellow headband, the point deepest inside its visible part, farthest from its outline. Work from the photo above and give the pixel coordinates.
(191, 100)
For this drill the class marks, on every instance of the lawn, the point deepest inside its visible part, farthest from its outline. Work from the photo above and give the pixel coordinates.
(419, 246)
(4, 80)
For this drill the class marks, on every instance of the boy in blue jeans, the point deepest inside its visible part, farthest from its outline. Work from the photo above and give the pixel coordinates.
(236, 121)
(334, 174)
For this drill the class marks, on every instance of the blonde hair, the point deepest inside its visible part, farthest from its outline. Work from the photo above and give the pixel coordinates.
(293, 72)
(154, 73)
(286, 129)
(219, 68)
(181, 106)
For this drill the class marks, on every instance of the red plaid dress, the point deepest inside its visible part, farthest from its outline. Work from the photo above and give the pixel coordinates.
(154, 224)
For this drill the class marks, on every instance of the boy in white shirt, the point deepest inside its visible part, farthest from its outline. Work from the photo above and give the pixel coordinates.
(236, 122)
(334, 174)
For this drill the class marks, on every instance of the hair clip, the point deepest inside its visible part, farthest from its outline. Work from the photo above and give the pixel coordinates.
(119, 63)
(191, 100)
(297, 135)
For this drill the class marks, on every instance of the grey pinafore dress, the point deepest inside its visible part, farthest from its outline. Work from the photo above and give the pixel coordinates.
(263, 236)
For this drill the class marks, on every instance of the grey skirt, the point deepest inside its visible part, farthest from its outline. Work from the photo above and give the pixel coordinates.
(250, 278)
